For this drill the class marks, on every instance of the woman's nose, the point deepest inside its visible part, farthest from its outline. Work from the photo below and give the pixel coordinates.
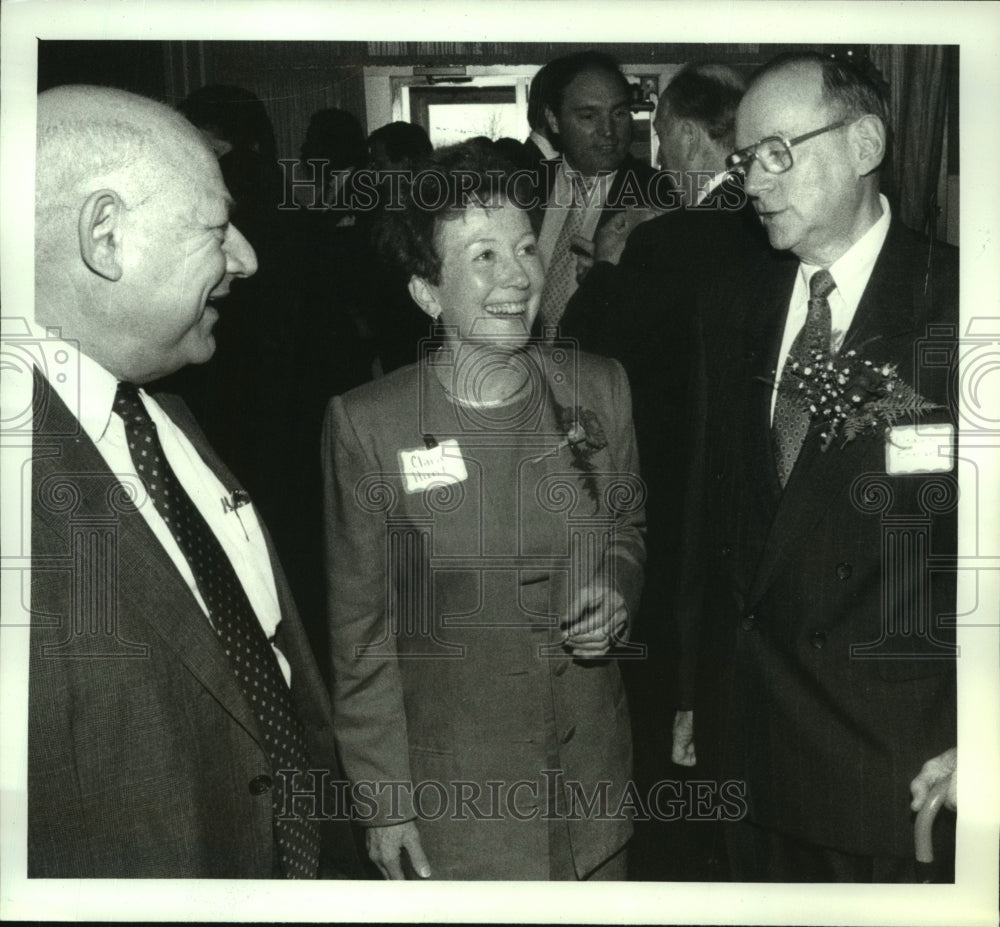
(512, 274)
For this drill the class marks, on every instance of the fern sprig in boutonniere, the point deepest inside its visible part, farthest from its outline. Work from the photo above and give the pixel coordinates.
(849, 397)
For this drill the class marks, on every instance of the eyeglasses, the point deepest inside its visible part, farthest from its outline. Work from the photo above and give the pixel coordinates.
(774, 153)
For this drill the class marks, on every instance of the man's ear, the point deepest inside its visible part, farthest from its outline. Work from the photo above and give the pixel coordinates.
(868, 142)
(424, 296)
(691, 135)
(552, 120)
(100, 233)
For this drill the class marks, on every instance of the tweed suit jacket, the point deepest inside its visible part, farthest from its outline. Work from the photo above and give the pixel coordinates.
(144, 757)
(445, 608)
(827, 671)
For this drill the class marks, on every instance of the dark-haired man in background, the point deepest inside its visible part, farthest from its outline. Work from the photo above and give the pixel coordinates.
(827, 672)
(587, 109)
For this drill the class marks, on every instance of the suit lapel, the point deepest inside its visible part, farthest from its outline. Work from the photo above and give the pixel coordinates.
(882, 330)
(178, 620)
(764, 325)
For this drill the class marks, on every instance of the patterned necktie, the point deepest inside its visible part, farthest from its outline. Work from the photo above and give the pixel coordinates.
(236, 625)
(791, 420)
(562, 269)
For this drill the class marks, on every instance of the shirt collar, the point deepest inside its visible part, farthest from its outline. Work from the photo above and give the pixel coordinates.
(544, 145)
(87, 389)
(566, 171)
(852, 270)
(710, 187)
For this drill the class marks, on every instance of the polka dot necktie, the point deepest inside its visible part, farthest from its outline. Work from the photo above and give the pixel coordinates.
(236, 625)
(791, 420)
(561, 270)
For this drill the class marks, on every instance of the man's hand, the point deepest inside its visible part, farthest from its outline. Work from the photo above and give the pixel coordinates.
(932, 772)
(597, 617)
(583, 248)
(609, 241)
(683, 750)
(384, 845)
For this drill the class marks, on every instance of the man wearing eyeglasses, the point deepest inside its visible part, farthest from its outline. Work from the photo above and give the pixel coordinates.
(826, 678)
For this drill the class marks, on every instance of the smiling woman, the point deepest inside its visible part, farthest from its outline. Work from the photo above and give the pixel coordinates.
(484, 551)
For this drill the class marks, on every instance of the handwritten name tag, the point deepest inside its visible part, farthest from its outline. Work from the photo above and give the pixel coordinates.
(424, 467)
(920, 449)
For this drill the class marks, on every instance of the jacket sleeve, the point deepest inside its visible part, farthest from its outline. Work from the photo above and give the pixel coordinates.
(627, 497)
(369, 719)
(691, 584)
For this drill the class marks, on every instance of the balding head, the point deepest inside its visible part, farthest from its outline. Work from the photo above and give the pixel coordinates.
(132, 234)
(824, 196)
(695, 123)
(93, 137)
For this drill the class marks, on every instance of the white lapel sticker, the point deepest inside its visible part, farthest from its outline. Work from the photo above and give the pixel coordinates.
(920, 449)
(424, 467)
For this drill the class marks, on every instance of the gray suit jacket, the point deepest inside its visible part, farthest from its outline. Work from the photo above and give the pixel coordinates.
(445, 608)
(144, 758)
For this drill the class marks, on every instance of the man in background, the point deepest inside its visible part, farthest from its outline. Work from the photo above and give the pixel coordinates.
(587, 102)
(637, 304)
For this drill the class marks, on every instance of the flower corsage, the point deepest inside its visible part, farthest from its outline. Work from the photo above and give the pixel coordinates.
(584, 438)
(847, 396)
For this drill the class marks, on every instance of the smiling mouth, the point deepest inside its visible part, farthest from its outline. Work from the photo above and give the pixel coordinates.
(507, 309)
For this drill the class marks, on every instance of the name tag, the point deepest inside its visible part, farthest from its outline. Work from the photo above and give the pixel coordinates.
(424, 467)
(920, 449)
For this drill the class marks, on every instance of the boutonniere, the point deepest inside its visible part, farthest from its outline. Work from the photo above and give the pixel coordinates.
(848, 396)
(584, 438)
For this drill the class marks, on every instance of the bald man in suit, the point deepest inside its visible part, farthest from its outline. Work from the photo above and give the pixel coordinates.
(174, 704)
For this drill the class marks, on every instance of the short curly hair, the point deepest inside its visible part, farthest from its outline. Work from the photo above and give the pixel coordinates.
(439, 189)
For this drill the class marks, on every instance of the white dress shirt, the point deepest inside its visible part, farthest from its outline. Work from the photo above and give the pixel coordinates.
(851, 272)
(710, 186)
(90, 398)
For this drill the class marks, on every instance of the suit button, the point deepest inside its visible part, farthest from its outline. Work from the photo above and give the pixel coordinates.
(726, 550)
(844, 571)
(817, 639)
(719, 476)
(748, 622)
(568, 736)
(260, 785)
(560, 667)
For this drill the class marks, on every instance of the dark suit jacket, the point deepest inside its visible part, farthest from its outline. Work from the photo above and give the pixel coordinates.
(144, 757)
(453, 600)
(640, 312)
(827, 674)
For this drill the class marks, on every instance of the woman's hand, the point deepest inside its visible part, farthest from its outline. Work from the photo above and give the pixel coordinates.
(384, 845)
(597, 617)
